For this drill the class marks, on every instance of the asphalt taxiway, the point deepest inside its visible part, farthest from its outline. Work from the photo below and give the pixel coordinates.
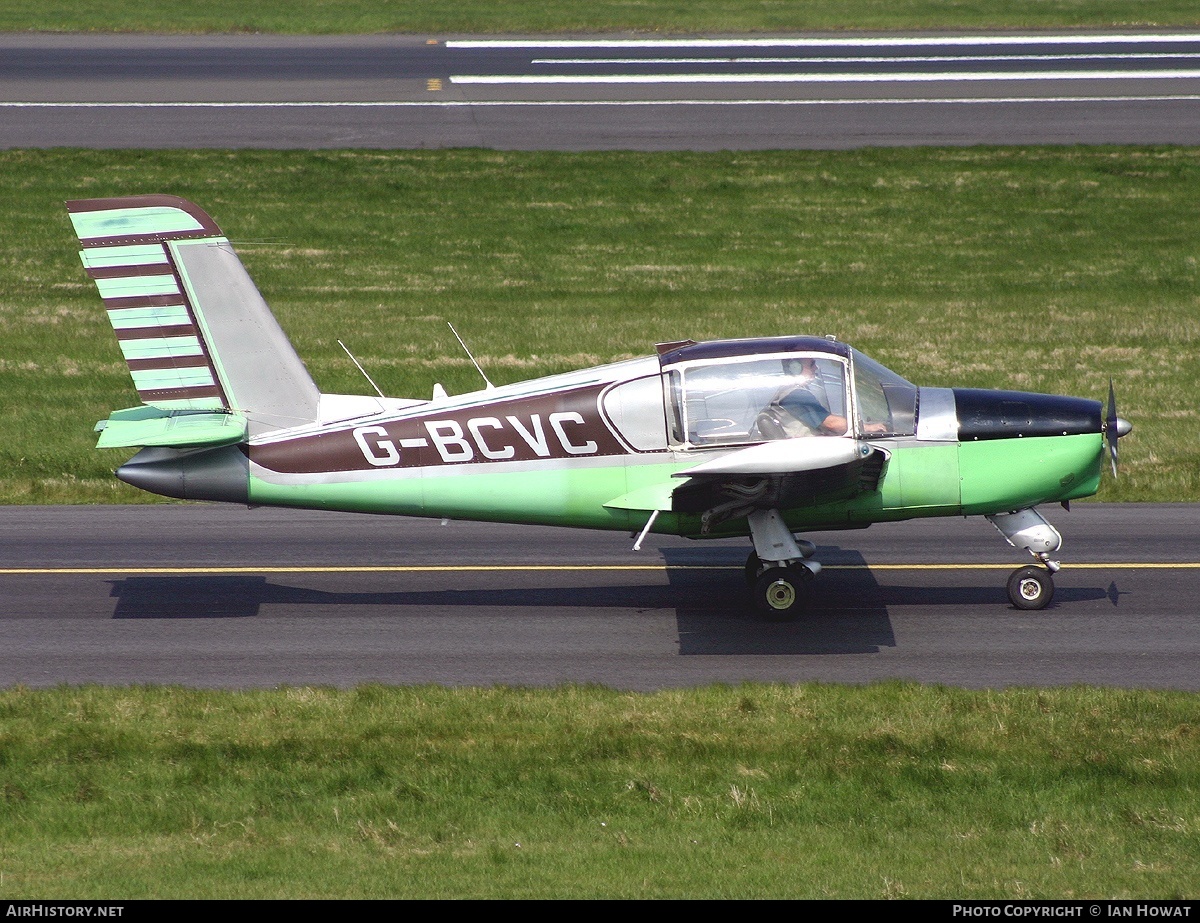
(220, 596)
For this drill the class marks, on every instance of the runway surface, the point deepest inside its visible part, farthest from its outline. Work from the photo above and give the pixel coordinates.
(106, 91)
(225, 597)
(220, 596)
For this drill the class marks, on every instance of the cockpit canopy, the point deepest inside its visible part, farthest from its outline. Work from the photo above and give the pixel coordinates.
(747, 391)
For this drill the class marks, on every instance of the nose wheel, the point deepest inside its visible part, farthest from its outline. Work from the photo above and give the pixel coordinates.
(1030, 587)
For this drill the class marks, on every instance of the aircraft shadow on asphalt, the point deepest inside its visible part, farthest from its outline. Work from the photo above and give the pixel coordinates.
(848, 610)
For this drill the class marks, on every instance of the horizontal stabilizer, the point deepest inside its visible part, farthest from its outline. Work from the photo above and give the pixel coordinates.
(149, 426)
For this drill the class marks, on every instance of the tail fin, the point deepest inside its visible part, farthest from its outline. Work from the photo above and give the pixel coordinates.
(196, 333)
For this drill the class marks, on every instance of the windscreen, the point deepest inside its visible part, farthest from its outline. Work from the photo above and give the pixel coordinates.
(887, 403)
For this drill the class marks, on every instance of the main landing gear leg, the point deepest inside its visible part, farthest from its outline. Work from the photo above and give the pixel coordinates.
(778, 569)
(1030, 587)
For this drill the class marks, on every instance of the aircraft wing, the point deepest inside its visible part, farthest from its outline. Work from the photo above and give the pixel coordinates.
(784, 456)
(781, 474)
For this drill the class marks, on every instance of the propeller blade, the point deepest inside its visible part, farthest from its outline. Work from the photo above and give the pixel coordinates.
(1114, 427)
(1110, 427)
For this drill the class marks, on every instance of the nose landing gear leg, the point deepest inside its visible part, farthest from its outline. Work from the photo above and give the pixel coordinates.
(1030, 587)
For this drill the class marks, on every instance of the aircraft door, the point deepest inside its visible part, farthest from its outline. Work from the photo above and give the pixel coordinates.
(739, 401)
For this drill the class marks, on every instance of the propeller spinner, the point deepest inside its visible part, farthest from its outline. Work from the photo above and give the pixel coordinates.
(1114, 427)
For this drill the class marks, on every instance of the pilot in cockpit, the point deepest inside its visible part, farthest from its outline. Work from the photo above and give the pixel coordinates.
(799, 407)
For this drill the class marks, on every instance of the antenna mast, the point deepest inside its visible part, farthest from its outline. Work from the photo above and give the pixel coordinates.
(360, 368)
(469, 356)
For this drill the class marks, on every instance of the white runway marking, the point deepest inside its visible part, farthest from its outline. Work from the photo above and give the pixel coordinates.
(877, 42)
(939, 76)
(880, 59)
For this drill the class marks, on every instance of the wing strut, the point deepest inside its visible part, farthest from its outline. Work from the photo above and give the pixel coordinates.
(637, 546)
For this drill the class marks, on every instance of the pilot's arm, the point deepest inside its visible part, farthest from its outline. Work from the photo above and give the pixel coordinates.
(806, 408)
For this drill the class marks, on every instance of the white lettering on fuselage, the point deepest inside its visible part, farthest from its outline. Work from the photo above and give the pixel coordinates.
(535, 437)
(380, 451)
(488, 437)
(556, 423)
(475, 425)
(448, 439)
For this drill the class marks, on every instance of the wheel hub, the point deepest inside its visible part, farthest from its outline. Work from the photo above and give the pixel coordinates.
(781, 594)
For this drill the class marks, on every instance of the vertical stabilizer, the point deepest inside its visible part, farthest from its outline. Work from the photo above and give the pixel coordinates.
(195, 331)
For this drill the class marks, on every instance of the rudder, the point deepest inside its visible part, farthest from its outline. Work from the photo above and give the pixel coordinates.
(193, 328)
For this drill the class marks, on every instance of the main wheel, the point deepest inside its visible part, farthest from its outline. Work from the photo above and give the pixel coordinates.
(780, 593)
(1030, 587)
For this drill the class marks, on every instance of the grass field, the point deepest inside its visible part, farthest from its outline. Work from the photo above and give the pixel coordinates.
(1045, 269)
(805, 791)
(677, 16)
(1031, 268)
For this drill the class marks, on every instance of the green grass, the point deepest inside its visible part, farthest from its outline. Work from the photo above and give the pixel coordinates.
(1045, 269)
(674, 16)
(805, 791)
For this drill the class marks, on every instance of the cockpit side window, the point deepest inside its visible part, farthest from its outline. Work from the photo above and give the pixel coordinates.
(740, 401)
(811, 400)
(887, 403)
(721, 400)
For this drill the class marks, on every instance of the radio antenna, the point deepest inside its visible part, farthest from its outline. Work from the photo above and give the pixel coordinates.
(360, 368)
(490, 386)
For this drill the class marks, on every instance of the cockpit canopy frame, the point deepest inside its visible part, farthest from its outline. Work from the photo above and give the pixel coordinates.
(740, 392)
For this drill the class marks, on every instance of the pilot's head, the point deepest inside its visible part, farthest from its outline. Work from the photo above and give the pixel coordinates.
(800, 368)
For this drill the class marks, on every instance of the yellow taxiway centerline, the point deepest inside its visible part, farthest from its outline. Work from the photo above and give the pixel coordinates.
(434, 568)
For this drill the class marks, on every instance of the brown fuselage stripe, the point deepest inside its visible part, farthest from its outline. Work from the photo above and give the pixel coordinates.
(557, 425)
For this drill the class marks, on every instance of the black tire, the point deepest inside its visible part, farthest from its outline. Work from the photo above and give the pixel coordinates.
(1030, 587)
(781, 593)
(753, 566)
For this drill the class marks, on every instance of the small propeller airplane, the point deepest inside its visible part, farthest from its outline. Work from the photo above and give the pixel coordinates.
(763, 437)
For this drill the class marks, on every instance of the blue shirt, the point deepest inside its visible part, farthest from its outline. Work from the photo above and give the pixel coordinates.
(805, 407)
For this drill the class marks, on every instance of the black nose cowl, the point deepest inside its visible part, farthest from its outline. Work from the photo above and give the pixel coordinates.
(986, 414)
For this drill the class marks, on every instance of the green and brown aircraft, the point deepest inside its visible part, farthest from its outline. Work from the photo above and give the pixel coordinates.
(765, 437)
